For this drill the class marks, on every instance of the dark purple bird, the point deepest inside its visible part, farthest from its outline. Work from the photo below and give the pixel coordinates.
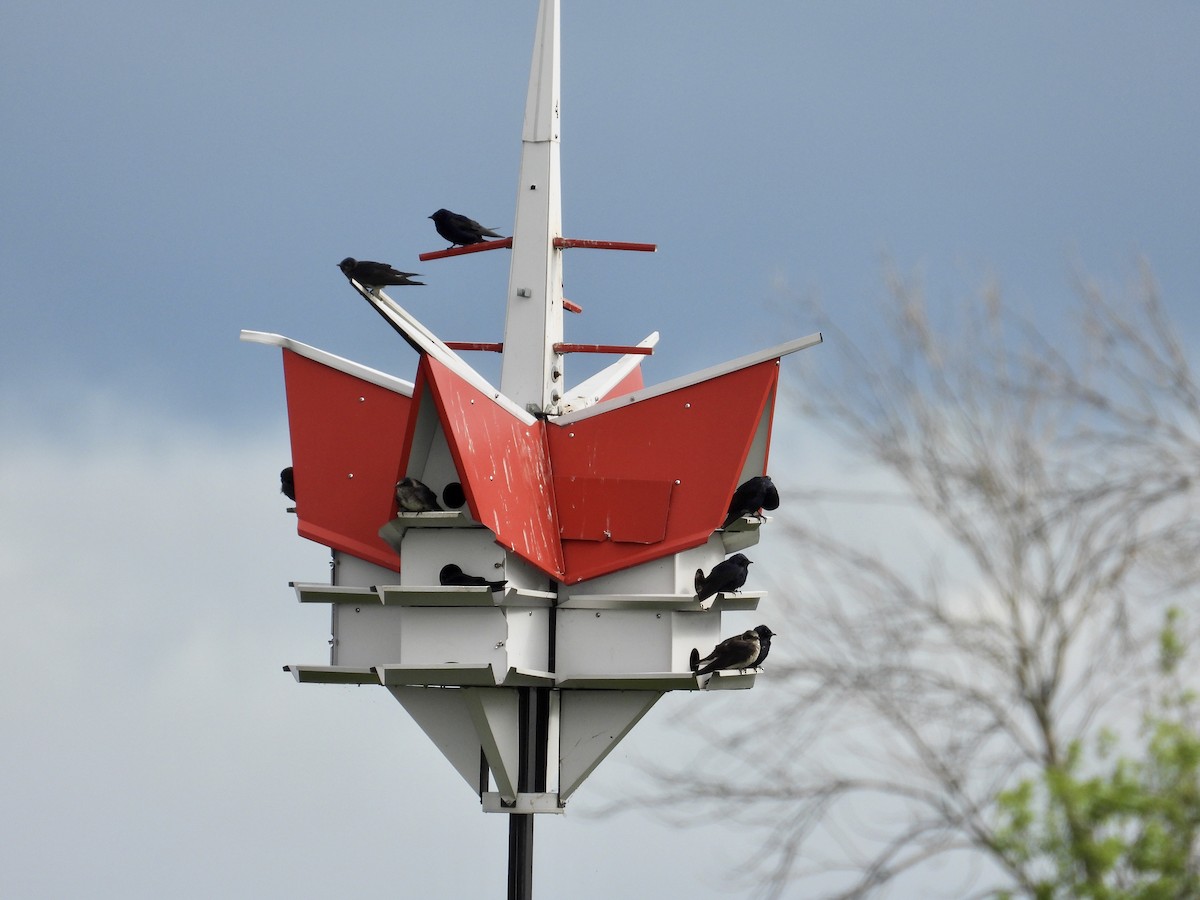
(453, 575)
(757, 493)
(764, 644)
(375, 274)
(459, 229)
(287, 483)
(732, 653)
(727, 577)
(414, 496)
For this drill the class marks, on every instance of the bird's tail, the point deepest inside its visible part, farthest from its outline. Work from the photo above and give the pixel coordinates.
(497, 585)
(698, 581)
(694, 660)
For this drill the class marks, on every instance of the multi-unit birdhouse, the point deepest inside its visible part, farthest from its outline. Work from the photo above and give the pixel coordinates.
(586, 513)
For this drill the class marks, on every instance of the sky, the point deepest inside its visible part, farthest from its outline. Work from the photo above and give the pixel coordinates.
(173, 173)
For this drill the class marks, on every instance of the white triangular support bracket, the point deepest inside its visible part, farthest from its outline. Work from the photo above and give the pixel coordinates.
(591, 724)
(445, 715)
(494, 715)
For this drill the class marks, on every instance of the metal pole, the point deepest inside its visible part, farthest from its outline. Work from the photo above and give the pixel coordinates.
(520, 826)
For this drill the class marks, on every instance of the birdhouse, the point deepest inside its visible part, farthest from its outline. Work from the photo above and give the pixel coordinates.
(572, 521)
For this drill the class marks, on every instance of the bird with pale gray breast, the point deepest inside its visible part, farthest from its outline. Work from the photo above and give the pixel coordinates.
(459, 230)
(371, 274)
(738, 652)
(415, 496)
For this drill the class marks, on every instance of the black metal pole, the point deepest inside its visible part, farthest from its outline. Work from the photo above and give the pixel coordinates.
(533, 727)
(520, 825)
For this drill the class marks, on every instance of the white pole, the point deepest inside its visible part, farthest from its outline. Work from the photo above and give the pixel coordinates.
(532, 373)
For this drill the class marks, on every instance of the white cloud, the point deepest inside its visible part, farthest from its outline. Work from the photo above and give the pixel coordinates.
(153, 745)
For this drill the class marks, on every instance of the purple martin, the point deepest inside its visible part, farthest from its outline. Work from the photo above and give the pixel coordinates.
(374, 274)
(459, 229)
(726, 577)
(287, 484)
(757, 493)
(453, 575)
(732, 653)
(764, 644)
(414, 496)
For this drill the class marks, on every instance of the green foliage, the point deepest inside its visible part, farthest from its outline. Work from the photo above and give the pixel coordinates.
(1128, 833)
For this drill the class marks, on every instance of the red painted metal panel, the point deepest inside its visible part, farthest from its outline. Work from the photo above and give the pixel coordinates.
(697, 437)
(627, 510)
(503, 464)
(346, 437)
(601, 494)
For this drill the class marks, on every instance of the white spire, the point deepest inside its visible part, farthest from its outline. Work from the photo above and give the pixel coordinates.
(532, 373)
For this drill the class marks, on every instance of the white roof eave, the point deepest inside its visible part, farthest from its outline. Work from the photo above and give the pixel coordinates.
(341, 364)
(666, 387)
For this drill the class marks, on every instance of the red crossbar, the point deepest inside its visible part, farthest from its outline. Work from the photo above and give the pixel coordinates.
(562, 243)
(475, 345)
(571, 307)
(602, 348)
(559, 243)
(470, 248)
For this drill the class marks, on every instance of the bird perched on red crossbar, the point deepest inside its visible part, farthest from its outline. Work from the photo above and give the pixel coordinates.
(459, 229)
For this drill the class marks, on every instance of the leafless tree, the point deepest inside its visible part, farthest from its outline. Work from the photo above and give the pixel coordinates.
(1042, 494)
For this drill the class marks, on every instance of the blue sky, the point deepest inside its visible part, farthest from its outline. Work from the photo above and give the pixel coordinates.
(173, 173)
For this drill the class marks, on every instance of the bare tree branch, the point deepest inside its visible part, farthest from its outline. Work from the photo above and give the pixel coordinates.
(1059, 478)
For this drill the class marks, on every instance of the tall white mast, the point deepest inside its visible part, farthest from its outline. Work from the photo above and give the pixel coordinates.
(532, 373)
